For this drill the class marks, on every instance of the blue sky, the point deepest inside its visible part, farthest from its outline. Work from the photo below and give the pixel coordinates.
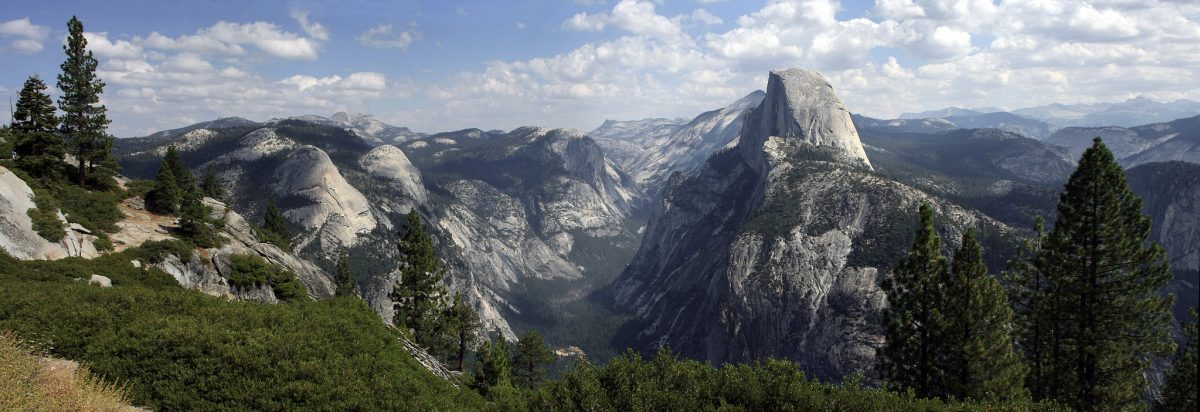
(444, 65)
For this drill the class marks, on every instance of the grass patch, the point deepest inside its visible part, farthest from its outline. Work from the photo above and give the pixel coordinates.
(28, 384)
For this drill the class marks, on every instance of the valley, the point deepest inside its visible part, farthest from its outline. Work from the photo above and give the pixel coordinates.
(468, 246)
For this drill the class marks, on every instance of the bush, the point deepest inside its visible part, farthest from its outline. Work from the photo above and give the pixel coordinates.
(138, 188)
(247, 271)
(155, 251)
(45, 216)
(103, 244)
(93, 209)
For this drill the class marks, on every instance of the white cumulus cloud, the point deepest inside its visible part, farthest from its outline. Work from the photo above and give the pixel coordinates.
(383, 36)
(23, 36)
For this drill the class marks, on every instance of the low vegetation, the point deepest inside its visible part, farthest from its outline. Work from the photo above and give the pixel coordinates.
(177, 349)
(31, 383)
(248, 271)
(666, 382)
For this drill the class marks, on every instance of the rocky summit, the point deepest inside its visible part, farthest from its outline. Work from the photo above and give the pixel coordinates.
(776, 247)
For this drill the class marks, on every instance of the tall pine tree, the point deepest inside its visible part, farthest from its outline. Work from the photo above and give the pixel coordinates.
(982, 364)
(464, 326)
(85, 120)
(1182, 379)
(1035, 315)
(1101, 291)
(344, 278)
(183, 175)
(915, 325)
(419, 296)
(530, 361)
(38, 147)
(165, 196)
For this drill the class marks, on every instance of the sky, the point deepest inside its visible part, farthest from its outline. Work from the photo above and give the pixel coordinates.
(448, 65)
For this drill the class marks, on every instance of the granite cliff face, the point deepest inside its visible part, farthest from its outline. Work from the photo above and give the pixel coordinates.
(652, 149)
(776, 246)
(1171, 191)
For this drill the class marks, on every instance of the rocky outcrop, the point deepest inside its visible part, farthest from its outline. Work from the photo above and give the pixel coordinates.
(16, 228)
(17, 236)
(207, 270)
(777, 246)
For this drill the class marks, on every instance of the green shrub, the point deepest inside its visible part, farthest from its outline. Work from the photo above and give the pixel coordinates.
(103, 244)
(155, 251)
(138, 188)
(45, 216)
(248, 271)
(93, 209)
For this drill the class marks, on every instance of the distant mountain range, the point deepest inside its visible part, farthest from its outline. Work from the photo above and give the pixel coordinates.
(1129, 113)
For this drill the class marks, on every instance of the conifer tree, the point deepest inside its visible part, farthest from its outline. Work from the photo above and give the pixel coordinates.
(165, 196)
(982, 364)
(193, 219)
(915, 325)
(183, 175)
(345, 279)
(1035, 314)
(84, 119)
(211, 186)
(493, 368)
(531, 360)
(104, 165)
(276, 228)
(38, 147)
(1184, 375)
(1103, 281)
(464, 325)
(419, 296)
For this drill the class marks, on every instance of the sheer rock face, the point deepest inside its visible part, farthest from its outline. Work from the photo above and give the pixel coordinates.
(777, 246)
(800, 105)
(329, 209)
(652, 149)
(329, 212)
(503, 208)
